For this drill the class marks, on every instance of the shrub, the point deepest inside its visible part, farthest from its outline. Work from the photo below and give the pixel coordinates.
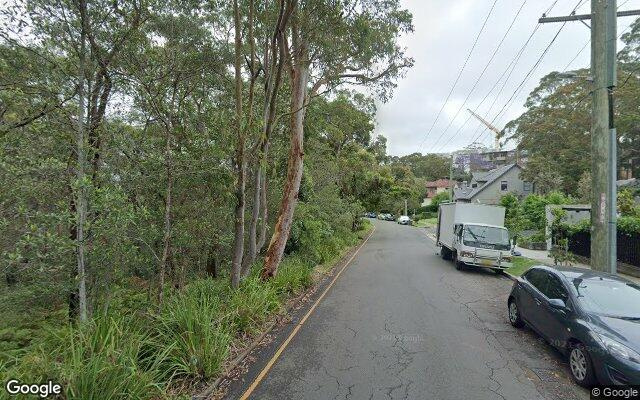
(630, 225)
(106, 358)
(192, 328)
(252, 303)
(292, 277)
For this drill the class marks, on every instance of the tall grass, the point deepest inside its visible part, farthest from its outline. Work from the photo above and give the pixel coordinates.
(192, 328)
(252, 303)
(294, 275)
(139, 351)
(102, 359)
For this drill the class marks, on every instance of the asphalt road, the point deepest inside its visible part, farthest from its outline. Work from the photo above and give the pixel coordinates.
(401, 323)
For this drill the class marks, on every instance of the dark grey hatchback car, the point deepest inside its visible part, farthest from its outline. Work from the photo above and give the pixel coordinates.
(592, 317)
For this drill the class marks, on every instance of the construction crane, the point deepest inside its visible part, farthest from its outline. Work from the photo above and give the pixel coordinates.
(497, 131)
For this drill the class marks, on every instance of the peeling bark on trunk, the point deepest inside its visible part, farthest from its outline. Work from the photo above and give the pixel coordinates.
(262, 239)
(238, 240)
(299, 75)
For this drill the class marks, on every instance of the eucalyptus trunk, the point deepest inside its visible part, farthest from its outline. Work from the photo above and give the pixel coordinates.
(299, 76)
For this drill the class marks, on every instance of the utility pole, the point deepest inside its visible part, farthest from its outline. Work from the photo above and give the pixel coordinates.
(603, 137)
(405, 207)
(603, 133)
(451, 177)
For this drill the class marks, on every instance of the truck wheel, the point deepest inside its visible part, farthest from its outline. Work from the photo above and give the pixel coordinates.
(459, 264)
(444, 253)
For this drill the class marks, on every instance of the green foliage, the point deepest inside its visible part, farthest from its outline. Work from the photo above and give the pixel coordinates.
(252, 303)
(560, 253)
(514, 219)
(441, 197)
(629, 225)
(108, 358)
(429, 166)
(520, 265)
(192, 329)
(294, 275)
(627, 205)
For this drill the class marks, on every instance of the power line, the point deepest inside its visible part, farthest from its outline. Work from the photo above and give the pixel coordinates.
(513, 63)
(589, 41)
(484, 24)
(495, 51)
(480, 126)
(530, 72)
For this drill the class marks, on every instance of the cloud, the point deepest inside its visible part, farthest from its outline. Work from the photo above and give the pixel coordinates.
(444, 33)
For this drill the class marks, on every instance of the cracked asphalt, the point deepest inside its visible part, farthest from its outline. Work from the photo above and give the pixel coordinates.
(401, 323)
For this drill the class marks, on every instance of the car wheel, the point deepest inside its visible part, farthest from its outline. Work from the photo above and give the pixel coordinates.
(581, 366)
(514, 315)
(444, 253)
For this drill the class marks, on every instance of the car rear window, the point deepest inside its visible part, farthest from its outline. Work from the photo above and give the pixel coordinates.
(607, 297)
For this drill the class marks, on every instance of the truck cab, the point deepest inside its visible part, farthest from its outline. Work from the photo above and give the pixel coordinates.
(482, 245)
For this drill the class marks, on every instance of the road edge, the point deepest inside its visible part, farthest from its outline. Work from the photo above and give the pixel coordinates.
(265, 370)
(348, 255)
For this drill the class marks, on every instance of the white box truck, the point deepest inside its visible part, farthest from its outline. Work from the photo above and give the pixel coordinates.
(473, 234)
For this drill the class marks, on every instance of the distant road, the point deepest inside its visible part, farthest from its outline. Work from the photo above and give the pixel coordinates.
(401, 323)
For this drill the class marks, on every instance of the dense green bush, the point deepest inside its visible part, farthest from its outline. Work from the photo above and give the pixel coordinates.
(133, 350)
(530, 212)
(426, 215)
(107, 358)
(193, 329)
(293, 276)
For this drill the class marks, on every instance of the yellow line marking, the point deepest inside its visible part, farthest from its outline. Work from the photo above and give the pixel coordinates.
(284, 345)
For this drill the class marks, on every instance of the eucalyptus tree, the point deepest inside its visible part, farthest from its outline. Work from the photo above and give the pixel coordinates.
(332, 43)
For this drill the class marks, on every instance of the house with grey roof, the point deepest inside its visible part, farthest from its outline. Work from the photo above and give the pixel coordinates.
(489, 187)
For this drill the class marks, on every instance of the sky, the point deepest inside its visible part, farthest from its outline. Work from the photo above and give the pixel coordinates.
(444, 33)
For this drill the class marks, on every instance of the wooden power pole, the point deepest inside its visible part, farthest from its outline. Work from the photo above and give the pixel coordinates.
(603, 136)
(603, 133)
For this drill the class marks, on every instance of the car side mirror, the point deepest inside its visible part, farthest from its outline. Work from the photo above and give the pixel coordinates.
(558, 304)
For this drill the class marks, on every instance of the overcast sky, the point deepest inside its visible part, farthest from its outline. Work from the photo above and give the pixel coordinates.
(444, 33)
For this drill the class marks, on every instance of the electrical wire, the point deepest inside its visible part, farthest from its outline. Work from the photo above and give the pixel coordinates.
(493, 55)
(511, 65)
(535, 66)
(464, 65)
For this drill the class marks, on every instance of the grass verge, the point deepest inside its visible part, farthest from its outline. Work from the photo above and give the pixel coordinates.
(520, 265)
(145, 351)
(427, 223)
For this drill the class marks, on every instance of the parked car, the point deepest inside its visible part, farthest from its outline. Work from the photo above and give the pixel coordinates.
(370, 214)
(592, 317)
(389, 217)
(404, 220)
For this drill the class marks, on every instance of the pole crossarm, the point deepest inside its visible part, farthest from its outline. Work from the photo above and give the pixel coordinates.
(582, 17)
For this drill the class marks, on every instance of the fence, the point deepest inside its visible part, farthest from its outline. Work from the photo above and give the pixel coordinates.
(628, 251)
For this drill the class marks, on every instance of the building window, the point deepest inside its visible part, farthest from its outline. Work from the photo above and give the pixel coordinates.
(503, 185)
(527, 186)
